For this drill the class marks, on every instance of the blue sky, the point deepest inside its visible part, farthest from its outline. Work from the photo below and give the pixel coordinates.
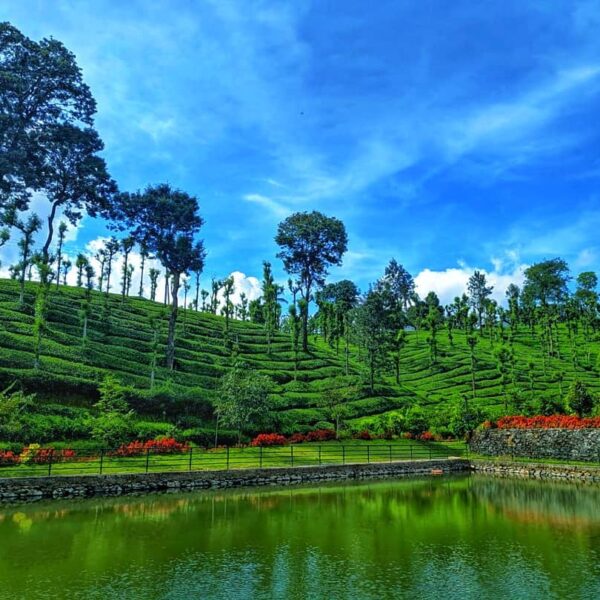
(450, 135)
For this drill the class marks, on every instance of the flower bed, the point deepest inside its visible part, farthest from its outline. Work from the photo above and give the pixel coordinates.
(159, 446)
(543, 422)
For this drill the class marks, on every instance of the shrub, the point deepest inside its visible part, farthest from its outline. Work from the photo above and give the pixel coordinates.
(297, 438)
(203, 436)
(35, 454)
(320, 435)
(363, 435)
(8, 458)
(552, 422)
(427, 436)
(269, 439)
(158, 446)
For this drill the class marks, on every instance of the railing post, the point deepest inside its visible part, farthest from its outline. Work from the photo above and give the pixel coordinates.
(292, 455)
(227, 458)
(147, 458)
(190, 463)
(50, 454)
(368, 453)
(343, 454)
(320, 455)
(260, 449)
(101, 460)
(390, 448)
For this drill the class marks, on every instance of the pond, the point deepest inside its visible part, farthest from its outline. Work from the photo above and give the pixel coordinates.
(463, 537)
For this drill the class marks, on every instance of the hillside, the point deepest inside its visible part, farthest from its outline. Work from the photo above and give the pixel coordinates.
(69, 375)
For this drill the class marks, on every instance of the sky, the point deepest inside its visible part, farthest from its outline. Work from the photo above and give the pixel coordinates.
(449, 135)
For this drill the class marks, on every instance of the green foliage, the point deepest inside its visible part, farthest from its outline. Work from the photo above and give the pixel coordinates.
(243, 400)
(580, 400)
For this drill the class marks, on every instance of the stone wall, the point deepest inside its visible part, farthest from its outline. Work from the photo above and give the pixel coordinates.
(36, 488)
(562, 444)
(537, 471)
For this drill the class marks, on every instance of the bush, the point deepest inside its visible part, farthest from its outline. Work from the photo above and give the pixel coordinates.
(8, 458)
(320, 435)
(552, 422)
(167, 445)
(416, 421)
(364, 435)
(297, 438)
(269, 439)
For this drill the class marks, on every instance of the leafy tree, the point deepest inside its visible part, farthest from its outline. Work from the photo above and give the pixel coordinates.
(335, 401)
(228, 290)
(42, 89)
(65, 268)
(197, 295)
(62, 232)
(400, 284)
(310, 243)
(13, 405)
(144, 255)
(81, 262)
(580, 400)
(153, 274)
(433, 321)
(75, 177)
(111, 248)
(271, 307)
(127, 245)
(546, 282)
(28, 229)
(478, 291)
(167, 222)
(113, 423)
(243, 401)
(374, 332)
(256, 311)
(215, 286)
(243, 307)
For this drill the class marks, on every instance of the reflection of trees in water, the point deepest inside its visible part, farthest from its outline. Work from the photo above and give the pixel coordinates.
(534, 501)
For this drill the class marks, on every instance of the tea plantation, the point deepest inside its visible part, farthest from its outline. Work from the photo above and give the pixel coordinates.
(120, 342)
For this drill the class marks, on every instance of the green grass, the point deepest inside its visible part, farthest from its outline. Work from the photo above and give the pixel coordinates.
(69, 375)
(199, 459)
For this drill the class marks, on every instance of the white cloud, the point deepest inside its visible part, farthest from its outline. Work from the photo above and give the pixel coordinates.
(278, 209)
(452, 282)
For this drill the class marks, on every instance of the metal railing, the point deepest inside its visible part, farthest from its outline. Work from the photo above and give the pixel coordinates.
(50, 462)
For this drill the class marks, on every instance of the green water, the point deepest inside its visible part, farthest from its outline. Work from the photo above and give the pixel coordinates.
(468, 537)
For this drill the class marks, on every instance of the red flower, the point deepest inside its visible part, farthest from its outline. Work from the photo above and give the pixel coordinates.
(269, 439)
(550, 422)
(320, 435)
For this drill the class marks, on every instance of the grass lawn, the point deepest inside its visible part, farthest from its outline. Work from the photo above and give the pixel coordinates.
(199, 459)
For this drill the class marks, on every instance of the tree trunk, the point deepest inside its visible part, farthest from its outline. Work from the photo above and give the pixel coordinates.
(173, 322)
(46, 248)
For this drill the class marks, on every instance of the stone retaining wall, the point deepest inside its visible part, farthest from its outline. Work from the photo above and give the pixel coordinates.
(36, 488)
(561, 444)
(537, 471)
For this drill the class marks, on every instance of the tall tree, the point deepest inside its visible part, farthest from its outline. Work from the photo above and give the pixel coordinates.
(227, 310)
(310, 243)
(127, 245)
(143, 257)
(111, 248)
(400, 284)
(75, 176)
(153, 275)
(28, 229)
(42, 88)
(62, 232)
(167, 222)
(271, 307)
(546, 281)
(81, 262)
(479, 291)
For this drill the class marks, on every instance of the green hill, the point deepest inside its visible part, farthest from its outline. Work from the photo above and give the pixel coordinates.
(67, 379)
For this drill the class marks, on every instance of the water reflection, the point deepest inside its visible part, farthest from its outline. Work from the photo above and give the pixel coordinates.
(472, 537)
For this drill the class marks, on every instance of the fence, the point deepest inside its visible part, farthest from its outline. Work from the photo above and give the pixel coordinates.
(50, 462)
